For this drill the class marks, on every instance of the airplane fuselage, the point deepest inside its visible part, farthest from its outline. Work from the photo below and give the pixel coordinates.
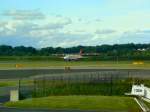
(72, 57)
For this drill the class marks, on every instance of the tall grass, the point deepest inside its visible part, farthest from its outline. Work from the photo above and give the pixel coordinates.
(57, 87)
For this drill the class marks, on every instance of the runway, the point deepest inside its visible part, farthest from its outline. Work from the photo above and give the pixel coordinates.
(26, 73)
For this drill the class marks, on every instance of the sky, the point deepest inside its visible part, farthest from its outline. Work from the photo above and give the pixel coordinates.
(67, 23)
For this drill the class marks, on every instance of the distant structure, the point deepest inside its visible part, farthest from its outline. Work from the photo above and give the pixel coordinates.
(142, 49)
(140, 90)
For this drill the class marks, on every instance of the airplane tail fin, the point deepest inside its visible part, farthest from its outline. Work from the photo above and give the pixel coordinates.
(81, 52)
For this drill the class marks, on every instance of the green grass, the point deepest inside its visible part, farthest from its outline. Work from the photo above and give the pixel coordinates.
(113, 103)
(8, 83)
(147, 103)
(5, 83)
(62, 64)
(53, 88)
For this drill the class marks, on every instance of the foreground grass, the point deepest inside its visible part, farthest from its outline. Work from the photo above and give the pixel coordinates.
(147, 103)
(48, 64)
(113, 103)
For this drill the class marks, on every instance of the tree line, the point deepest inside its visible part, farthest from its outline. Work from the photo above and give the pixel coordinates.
(120, 50)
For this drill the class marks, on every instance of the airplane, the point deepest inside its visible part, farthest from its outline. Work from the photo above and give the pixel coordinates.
(73, 57)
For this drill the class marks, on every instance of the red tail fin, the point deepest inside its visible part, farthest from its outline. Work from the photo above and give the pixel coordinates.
(81, 52)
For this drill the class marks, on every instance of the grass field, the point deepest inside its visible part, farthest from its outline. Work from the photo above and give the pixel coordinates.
(5, 83)
(147, 103)
(79, 64)
(8, 83)
(112, 103)
(58, 88)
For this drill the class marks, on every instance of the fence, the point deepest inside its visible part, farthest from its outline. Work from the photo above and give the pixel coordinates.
(90, 83)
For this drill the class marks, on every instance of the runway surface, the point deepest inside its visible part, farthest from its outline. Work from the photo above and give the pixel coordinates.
(25, 73)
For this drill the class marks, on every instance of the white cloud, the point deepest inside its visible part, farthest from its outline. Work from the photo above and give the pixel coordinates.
(57, 30)
(24, 14)
(105, 32)
(136, 36)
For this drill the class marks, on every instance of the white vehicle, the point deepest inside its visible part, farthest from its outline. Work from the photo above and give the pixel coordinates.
(73, 57)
